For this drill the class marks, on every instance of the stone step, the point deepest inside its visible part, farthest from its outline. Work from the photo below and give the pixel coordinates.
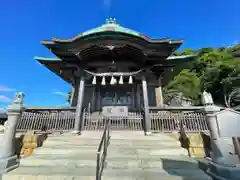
(112, 151)
(71, 139)
(114, 134)
(46, 171)
(115, 163)
(148, 152)
(112, 145)
(137, 135)
(75, 163)
(70, 177)
(146, 146)
(114, 142)
(146, 138)
(157, 173)
(112, 155)
(80, 173)
(56, 151)
(111, 158)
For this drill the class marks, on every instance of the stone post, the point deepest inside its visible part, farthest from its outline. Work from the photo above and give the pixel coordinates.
(7, 150)
(220, 152)
(210, 112)
(222, 165)
(147, 123)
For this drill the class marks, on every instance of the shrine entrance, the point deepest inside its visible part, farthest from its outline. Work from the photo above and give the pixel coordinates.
(117, 103)
(117, 95)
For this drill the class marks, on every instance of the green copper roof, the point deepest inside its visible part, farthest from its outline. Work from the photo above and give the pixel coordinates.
(110, 25)
(46, 59)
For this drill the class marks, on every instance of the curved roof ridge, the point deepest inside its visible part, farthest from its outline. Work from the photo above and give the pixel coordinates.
(110, 25)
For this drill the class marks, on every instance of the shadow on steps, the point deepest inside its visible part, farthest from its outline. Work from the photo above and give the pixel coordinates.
(184, 172)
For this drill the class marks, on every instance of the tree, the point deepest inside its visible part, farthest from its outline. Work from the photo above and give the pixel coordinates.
(231, 85)
(215, 70)
(188, 83)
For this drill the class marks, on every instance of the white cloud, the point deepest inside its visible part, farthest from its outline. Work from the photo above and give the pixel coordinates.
(4, 99)
(60, 93)
(6, 89)
(107, 4)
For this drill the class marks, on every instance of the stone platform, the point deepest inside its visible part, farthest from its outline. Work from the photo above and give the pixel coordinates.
(131, 155)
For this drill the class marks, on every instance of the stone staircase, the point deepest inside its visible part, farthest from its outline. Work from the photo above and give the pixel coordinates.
(135, 156)
(131, 155)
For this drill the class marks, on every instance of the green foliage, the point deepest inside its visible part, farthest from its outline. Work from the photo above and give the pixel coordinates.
(215, 70)
(187, 83)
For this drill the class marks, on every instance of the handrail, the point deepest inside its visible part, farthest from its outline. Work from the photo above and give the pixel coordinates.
(102, 150)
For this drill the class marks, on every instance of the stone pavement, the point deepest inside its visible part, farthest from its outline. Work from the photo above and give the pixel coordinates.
(131, 155)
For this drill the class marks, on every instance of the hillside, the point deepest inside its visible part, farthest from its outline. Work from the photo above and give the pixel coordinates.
(214, 70)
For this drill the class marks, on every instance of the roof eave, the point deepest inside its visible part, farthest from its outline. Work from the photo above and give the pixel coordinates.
(182, 57)
(47, 42)
(177, 41)
(145, 38)
(47, 59)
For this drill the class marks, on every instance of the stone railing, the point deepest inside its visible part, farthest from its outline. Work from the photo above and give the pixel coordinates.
(47, 119)
(188, 123)
(171, 119)
(25, 119)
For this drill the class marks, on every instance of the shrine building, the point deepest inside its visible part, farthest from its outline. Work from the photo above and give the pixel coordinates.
(114, 66)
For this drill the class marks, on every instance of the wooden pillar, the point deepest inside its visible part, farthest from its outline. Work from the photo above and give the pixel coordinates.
(72, 95)
(159, 93)
(138, 98)
(99, 98)
(133, 97)
(147, 123)
(93, 98)
(78, 117)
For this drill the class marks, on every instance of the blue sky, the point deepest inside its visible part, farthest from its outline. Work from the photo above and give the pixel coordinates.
(24, 23)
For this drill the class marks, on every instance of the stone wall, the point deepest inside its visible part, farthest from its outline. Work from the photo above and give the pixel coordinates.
(196, 145)
(25, 144)
(29, 142)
